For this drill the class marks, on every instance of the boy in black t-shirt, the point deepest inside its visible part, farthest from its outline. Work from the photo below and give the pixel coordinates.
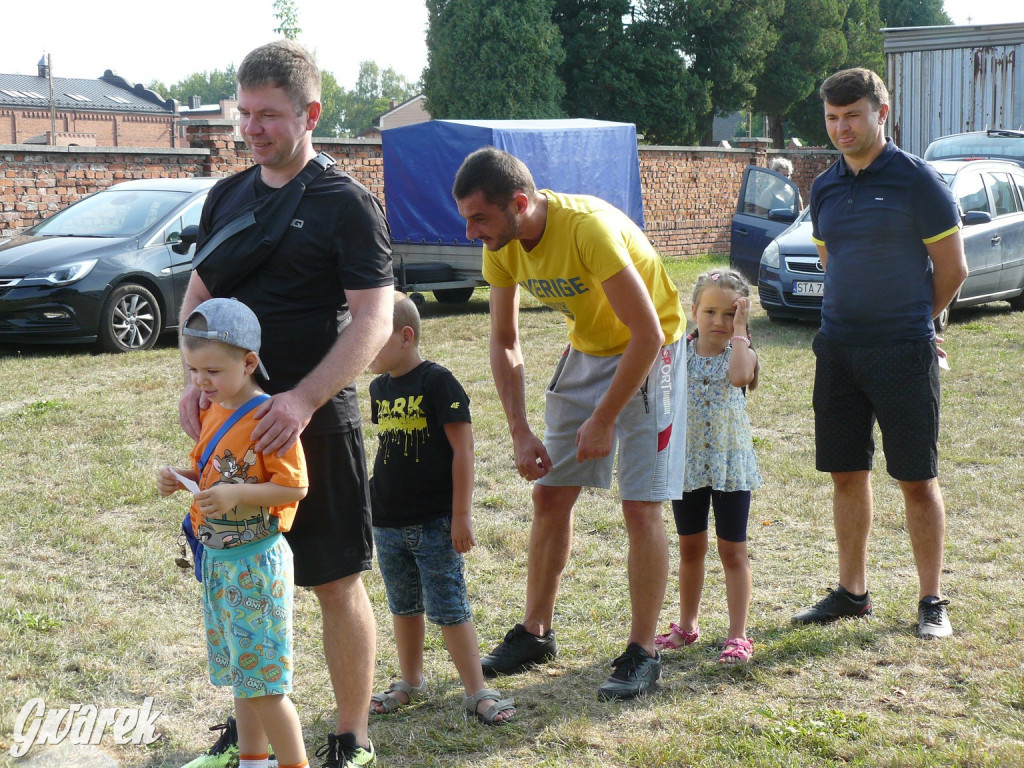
(422, 493)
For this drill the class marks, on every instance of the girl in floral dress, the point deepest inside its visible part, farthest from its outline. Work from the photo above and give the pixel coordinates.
(721, 467)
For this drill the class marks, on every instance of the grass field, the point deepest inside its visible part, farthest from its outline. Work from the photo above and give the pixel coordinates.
(94, 611)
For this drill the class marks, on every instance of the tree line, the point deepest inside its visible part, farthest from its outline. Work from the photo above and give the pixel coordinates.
(668, 66)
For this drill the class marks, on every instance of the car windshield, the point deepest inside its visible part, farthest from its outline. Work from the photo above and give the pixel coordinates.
(111, 213)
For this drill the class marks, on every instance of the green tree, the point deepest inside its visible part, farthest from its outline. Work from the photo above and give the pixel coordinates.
(332, 99)
(597, 53)
(811, 46)
(287, 14)
(726, 43)
(492, 59)
(210, 87)
(862, 30)
(913, 13)
(374, 91)
(628, 72)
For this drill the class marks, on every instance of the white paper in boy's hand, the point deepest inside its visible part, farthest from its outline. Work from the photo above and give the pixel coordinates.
(943, 363)
(190, 484)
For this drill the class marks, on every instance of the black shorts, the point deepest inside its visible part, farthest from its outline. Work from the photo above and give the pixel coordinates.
(332, 536)
(898, 385)
(732, 510)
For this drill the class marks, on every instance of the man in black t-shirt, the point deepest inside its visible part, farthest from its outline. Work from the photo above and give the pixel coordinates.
(324, 299)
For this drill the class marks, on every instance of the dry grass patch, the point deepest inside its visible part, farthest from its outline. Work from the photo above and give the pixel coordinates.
(93, 609)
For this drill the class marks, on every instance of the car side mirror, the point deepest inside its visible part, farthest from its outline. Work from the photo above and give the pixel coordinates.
(187, 239)
(782, 214)
(976, 217)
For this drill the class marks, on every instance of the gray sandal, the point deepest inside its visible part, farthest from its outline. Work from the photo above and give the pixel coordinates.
(487, 716)
(391, 702)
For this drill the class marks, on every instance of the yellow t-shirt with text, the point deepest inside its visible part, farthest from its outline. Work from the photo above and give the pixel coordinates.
(585, 242)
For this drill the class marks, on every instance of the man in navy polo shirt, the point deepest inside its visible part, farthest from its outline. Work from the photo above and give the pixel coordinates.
(888, 232)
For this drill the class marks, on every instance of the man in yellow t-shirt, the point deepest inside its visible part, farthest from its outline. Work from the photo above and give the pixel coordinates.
(620, 384)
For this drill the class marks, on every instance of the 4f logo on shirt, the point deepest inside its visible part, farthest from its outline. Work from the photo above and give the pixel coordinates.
(456, 405)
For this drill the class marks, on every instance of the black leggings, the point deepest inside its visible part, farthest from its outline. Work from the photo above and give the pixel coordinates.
(732, 508)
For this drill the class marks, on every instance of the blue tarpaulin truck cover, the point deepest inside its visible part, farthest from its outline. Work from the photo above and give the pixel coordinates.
(590, 157)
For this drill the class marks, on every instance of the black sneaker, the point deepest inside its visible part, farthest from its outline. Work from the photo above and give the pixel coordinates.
(519, 650)
(838, 604)
(224, 753)
(932, 619)
(341, 751)
(635, 673)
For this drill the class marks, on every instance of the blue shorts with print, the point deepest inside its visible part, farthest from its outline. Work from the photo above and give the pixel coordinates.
(422, 572)
(247, 609)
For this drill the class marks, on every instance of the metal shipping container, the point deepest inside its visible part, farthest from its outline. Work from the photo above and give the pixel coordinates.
(953, 79)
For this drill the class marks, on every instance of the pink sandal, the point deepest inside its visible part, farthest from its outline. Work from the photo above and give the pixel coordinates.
(737, 650)
(665, 642)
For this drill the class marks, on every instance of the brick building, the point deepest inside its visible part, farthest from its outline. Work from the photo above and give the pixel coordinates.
(107, 112)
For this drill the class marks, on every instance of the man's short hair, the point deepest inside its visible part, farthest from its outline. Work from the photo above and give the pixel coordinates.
(282, 64)
(406, 314)
(849, 85)
(494, 172)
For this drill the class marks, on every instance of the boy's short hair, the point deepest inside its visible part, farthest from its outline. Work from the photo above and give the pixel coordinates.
(848, 85)
(225, 321)
(498, 174)
(282, 64)
(406, 314)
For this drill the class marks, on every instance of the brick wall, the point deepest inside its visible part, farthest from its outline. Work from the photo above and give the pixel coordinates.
(689, 192)
(110, 129)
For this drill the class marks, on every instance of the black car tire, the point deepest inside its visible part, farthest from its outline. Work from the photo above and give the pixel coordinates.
(942, 320)
(454, 295)
(1017, 302)
(130, 319)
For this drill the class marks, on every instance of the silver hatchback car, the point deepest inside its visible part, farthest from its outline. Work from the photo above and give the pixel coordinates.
(991, 195)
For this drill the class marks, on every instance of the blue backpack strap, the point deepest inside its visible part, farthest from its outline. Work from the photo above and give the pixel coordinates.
(239, 413)
(186, 525)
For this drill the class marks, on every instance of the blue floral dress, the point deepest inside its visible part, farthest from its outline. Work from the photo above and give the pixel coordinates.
(719, 444)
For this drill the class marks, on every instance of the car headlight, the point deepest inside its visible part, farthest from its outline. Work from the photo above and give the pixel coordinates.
(62, 274)
(771, 255)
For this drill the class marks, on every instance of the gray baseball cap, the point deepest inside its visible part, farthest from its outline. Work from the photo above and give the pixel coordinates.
(229, 321)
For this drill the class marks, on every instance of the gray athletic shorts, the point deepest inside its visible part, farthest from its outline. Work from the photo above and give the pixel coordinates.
(650, 433)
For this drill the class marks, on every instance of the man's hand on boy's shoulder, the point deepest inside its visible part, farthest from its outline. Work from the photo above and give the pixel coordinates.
(281, 420)
(462, 533)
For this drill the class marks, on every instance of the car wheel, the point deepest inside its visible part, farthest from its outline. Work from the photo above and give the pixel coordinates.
(942, 320)
(1017, 302)
(454, 295)
(418, 299)
(130, 319)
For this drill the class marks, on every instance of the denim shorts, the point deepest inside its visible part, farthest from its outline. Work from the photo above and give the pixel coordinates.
(422, 572)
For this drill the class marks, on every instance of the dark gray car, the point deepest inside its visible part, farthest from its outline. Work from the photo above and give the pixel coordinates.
(110, 268)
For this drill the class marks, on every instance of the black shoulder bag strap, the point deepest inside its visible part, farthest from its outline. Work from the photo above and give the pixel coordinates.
(242, 244)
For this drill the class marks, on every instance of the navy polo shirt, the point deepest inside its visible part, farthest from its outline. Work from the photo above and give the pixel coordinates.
(875, 226)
